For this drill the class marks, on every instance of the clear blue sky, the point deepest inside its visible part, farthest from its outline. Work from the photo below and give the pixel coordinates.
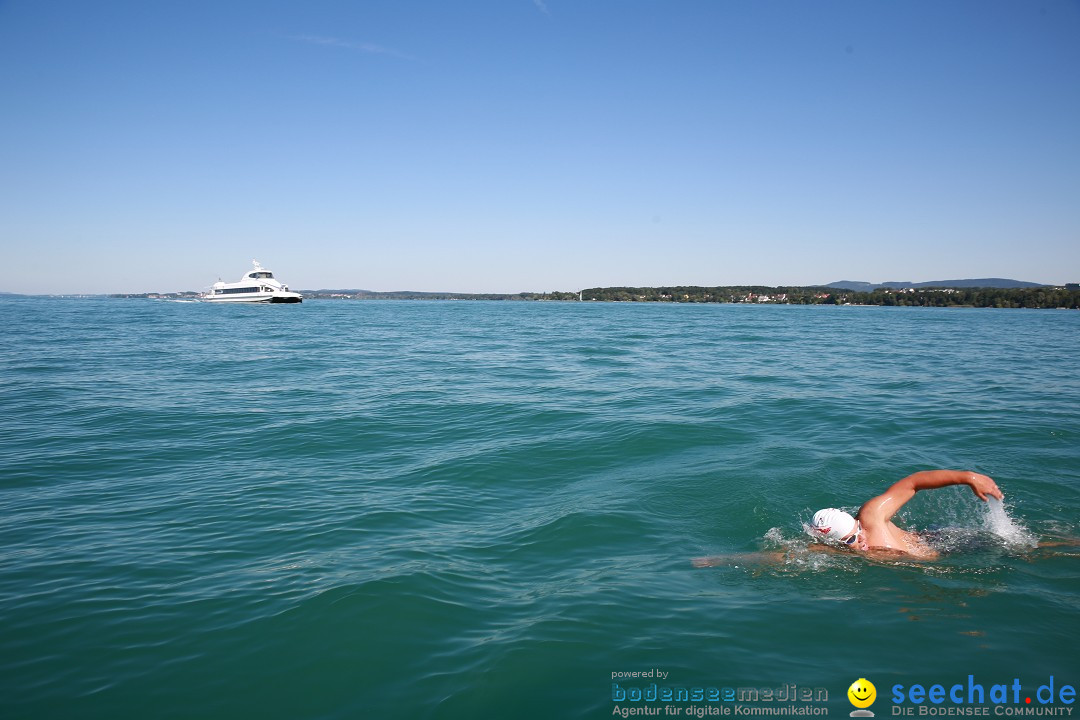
(531, 145)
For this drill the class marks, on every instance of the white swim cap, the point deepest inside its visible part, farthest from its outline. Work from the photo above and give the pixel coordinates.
(833, 524)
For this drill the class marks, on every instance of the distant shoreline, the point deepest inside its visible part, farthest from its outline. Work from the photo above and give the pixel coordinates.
(1045, 297)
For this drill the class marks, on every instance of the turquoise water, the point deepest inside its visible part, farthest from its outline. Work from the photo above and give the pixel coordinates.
(483, 509)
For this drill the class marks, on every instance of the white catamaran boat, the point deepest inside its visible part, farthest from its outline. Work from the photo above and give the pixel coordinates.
(257, 285)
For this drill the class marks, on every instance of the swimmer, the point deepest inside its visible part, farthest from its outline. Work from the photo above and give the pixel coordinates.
(873, 531)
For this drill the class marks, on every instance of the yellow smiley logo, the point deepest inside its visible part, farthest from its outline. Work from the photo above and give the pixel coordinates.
(862, 693)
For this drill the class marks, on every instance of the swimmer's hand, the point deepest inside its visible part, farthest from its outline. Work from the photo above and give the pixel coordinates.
(983, 486)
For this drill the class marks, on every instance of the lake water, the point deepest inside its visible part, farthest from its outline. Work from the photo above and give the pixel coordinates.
(485, 509)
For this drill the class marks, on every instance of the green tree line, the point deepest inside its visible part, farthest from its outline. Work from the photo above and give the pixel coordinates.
(1044, 297)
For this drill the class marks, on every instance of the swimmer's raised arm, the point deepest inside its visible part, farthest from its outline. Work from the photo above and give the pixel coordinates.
(884, 506)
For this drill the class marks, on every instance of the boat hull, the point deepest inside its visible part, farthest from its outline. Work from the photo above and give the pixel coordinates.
(259, 298)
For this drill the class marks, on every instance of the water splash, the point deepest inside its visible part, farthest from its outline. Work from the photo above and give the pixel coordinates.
(998, 521)
(774, 538)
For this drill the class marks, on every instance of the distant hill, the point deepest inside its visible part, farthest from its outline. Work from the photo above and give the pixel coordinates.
(852, 285)
(856, 286)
